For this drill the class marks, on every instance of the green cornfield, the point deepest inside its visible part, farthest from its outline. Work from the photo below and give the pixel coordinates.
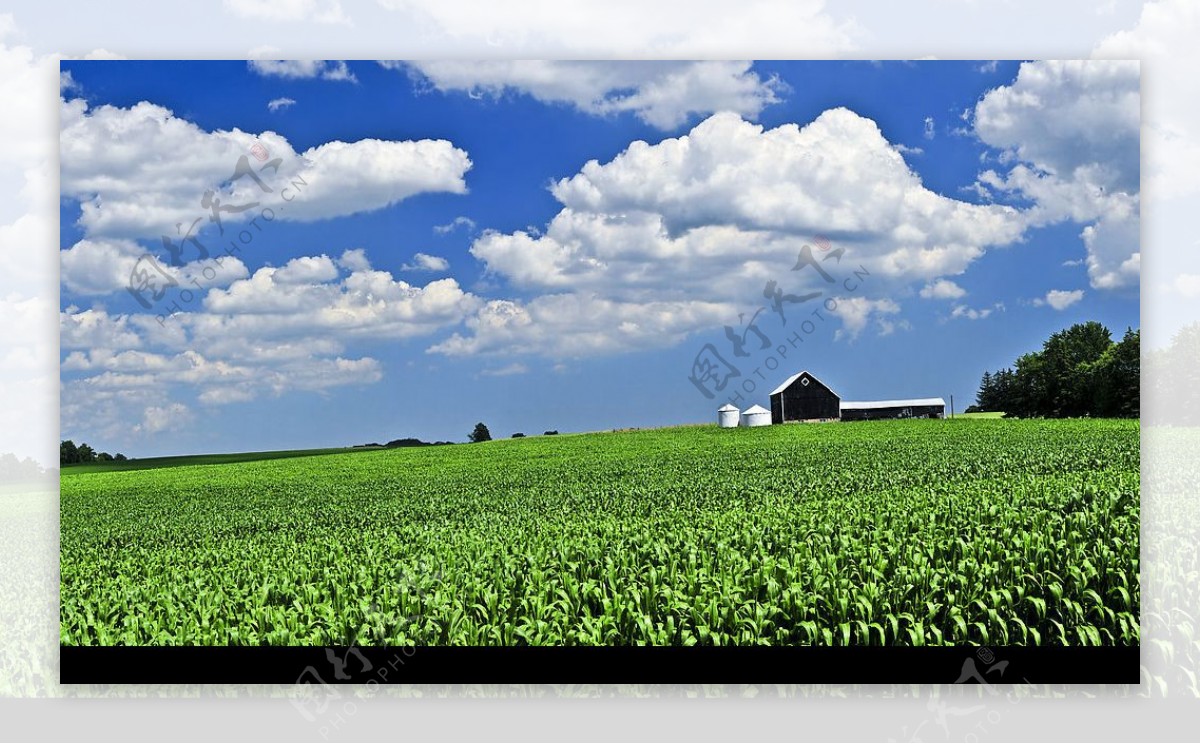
(922, 532)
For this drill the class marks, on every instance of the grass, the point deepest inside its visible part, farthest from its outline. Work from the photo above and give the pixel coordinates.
(981, 415)
(891, 532)
(150, 463)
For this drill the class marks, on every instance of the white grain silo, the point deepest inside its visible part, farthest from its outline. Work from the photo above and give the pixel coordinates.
(756, 416)
(727, 416)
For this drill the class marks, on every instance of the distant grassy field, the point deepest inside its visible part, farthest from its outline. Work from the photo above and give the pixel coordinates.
(895, 532)
(149, 463)
(981, 415)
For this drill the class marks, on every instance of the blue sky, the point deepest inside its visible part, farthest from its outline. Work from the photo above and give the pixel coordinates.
(570, 275)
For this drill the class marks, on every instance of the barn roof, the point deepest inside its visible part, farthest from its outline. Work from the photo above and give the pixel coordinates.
(756, 409)
(797, 376)
(904, 403)
(727, 407)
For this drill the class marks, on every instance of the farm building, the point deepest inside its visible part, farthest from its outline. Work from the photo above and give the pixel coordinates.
(866, 410)
(803, 397)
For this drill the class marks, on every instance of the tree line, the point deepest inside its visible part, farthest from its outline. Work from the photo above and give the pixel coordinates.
(1079, 372)
(1174, 373)
(70, 453)
(481, 434)
(14, 469)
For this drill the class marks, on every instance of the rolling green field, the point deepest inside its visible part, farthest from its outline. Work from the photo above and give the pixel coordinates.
(915, 532)
(149, 463)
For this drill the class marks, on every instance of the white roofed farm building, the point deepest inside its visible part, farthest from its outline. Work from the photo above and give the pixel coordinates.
(865, 410)
(803, 397)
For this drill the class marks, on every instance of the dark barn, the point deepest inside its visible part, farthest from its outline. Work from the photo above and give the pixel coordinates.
(803, 397)
(893, 409)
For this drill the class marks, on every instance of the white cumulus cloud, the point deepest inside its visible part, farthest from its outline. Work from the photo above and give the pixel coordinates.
(300, 69)
(972, 313)
(139, 172)
(278, 104)
(857, 312)
(280, 329)
(942, 289)
(713, 215)
(1060, 299)
(1070, 131)
(103, 266)
(581, 325)
(662, 94)
(426, 262)
(731, 201)
(464, 222)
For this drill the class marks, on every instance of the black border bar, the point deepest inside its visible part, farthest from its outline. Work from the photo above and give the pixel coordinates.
(598, 665)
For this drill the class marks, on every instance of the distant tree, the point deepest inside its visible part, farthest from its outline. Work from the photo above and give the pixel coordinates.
(550, 433)
(86, 453)
(1066, 356)
(68, 453)
(1002, 390)
(407, 442)
(119, 457)
(985, 395)
(1029, 395)
(480, 433)
(1175, 373)
(973, 409)
(13, 468)
(518, 435)
(1114, 380)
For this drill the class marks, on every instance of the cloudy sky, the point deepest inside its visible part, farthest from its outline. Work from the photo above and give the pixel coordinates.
(552, 245)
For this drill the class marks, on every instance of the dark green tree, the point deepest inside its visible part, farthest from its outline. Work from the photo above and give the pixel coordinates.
(480, 433)
(1067, 357)
(1002, 390)
(1030, 393)
(1078, 372)
(1116, 378)
(986, 394)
